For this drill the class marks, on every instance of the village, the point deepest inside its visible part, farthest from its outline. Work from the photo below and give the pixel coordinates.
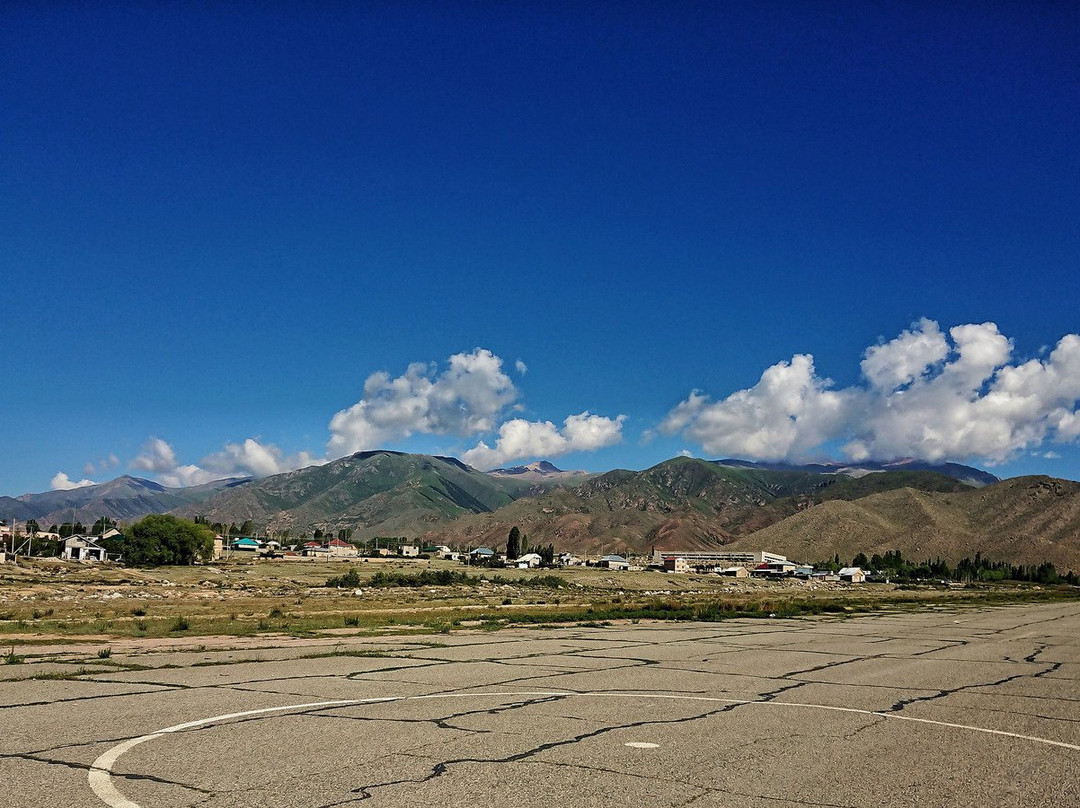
(733, 564)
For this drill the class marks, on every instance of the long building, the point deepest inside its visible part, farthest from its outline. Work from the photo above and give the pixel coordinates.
(698, 558)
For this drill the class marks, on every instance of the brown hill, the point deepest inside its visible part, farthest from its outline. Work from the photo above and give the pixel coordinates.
(683, 503)
(1025, 520)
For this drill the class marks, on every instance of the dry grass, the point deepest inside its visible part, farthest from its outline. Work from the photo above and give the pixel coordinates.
(41, 600)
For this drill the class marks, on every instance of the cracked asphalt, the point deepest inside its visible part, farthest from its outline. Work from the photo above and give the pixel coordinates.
(937, 708)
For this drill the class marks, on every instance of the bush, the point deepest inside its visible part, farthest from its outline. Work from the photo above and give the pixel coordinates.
(350, 580)
(424, 578)
(180, 624)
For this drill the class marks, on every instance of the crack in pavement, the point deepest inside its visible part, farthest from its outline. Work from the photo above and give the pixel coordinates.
(86, 767)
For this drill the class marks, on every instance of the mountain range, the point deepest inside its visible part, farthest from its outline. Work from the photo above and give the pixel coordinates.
(806, 512)
(124, 498)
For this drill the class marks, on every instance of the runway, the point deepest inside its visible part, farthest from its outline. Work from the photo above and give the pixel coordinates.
(933, 708)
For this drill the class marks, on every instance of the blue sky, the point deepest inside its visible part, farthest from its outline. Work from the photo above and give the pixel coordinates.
(218, 221)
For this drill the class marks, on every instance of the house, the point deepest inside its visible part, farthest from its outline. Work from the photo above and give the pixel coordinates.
(481, 555)
(774, 569)
(313, 549)
(614, 562)
(439, 551)
(526, 562)
(247, 545)
(676, 564)
(341, 549)
(409, 551)
(734, 572)
(570, 560)
(853, 575)
(82, 548)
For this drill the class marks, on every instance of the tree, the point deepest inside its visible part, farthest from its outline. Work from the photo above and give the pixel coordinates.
(32, 528)
(547, 555)
(248, 528)
(161, 539)
(102, 525)
(513, 543)
(860, 560)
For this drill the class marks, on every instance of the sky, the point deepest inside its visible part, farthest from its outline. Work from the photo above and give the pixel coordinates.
(243, 238)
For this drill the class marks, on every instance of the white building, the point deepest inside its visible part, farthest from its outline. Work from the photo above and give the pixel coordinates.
(82, 548)
(853, 575)
(676, 564)
(526, 562)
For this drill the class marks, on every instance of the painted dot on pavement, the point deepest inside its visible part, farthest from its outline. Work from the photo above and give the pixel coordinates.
(643, 745)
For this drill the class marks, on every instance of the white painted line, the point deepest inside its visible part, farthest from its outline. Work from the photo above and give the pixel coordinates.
(642, 745)
(101, 781)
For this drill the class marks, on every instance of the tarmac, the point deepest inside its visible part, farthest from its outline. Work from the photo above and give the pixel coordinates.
(931, 708)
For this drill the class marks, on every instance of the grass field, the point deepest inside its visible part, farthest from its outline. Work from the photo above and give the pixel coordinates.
(46, 599)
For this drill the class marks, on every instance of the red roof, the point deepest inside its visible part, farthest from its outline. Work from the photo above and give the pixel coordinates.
(312, 544)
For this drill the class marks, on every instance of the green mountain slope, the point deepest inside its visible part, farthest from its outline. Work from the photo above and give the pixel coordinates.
(374, 493)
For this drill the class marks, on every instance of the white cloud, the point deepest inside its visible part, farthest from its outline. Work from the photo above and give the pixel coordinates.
(905, 358)
(519, 439)
(89, 468)
(61, 483)
(788, 412)
(521, 367)
(465, 399)
(247, 459)
(157, 457)
(252, 458)
(925, 395)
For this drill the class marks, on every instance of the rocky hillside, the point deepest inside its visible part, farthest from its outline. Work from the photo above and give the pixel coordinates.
(1025, 520)
(682, 503)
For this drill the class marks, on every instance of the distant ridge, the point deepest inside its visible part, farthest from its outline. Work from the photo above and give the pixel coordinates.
(124, 498)
(965, 474)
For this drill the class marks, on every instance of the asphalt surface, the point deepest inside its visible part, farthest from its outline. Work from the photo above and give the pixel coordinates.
(978, 708)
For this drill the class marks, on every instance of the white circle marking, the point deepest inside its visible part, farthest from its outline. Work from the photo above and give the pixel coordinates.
(100, 775)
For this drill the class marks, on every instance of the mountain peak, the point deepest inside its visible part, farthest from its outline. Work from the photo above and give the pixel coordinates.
(537, 467)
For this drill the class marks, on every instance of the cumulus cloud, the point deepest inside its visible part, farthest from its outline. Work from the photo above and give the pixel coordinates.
(521, 367)
(520, 439)
(924, 395)
(157, 457)
(787, 413)
(465, 399)
(249, 458)
(61, 483)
